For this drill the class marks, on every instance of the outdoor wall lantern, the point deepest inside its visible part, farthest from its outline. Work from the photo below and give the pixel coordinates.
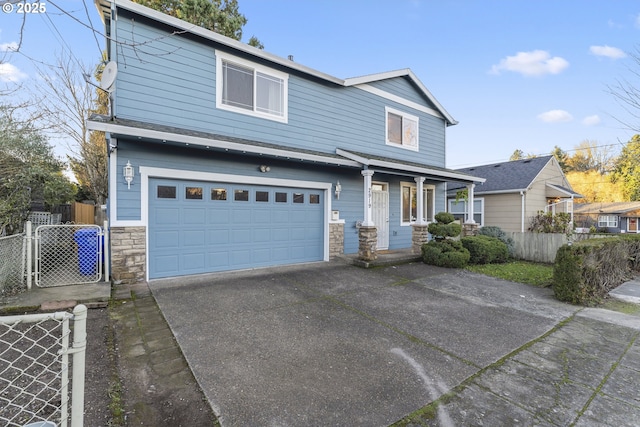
(338, 190)
(264, 168)
(128, 172)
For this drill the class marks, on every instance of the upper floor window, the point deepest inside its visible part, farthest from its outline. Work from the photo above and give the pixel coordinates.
(249, 88)
(402, 129)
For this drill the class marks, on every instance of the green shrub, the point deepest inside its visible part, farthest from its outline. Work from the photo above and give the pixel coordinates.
(493, 231)
(485, 249)
(583, 273)
(446, 253)
(444, 227)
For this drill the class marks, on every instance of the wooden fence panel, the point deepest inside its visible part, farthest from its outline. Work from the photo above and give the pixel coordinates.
(542, 247)
(82, 213)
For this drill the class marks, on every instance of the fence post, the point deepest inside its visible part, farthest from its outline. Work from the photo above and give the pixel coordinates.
(79, 355)
(29, 254)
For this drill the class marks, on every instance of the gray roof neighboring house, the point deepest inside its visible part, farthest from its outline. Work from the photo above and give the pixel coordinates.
(620, 208)
(511, 177)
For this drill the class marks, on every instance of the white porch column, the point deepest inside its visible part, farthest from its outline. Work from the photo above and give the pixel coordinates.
(420, 199)
(470, 203)
(368, 205)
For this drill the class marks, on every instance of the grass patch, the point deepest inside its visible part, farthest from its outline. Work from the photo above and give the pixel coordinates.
(531, 273)
(621, 306)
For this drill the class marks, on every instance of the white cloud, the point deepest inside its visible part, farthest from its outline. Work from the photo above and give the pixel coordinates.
(9, 73)
(5, 47)
(534, 63)
(591, 120)
(608, 51)
(555, 116)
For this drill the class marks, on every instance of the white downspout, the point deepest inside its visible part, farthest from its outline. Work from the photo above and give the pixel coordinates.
(522, 212)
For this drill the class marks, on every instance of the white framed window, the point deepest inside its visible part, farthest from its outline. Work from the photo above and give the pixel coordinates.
(248, 88)
(459, 210)
(401, 129)
(409, 203)
(608, 221)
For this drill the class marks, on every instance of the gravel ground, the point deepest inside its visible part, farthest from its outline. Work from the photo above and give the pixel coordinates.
(98, 369)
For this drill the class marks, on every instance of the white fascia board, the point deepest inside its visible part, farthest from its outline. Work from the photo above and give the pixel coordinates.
(219, 38)
(400, 100)
(407, 168)
(206, 142)
(355, 81)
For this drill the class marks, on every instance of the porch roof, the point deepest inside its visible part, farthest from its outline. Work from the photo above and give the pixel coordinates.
(559, 191)
(394, 166)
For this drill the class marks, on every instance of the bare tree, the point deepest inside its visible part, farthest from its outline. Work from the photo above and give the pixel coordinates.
(68, 102)
(627, 93)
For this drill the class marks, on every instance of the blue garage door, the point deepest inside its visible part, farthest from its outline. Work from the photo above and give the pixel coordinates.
(200, 227)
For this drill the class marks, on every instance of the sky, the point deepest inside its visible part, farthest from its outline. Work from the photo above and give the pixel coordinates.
(517, 74)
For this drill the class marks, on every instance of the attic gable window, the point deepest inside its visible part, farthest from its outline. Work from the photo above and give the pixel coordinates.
(401, 129)
(248, 88)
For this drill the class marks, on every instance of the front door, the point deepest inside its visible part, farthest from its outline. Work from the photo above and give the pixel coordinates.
(633, 225)
(380, 208)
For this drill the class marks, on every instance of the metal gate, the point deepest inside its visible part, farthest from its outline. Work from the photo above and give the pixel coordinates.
(68, 254)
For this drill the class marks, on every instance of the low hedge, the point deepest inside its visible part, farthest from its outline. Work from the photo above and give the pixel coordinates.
(445, 253)
(583, 273)
(485, 249)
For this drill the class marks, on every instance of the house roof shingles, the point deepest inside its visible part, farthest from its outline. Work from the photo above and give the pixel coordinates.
(507, 176)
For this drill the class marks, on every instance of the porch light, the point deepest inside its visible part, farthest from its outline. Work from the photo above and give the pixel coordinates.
(338, 190)
(128, 172)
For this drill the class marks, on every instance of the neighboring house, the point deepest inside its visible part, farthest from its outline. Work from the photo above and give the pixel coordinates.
(616, 217)
(514, 192)
(240, 159)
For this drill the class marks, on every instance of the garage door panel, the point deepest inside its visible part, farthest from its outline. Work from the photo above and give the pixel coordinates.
(261, 235)
(241, 216)
(218, 215)
(194, 216)
(165, 263)
(166, 216)
(218, 237)
(206, 226)
(193, 238)
(166, 239)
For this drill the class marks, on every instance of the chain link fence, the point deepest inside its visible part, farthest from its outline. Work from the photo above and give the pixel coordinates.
(68, 254)
(34, 368)
(13, 267)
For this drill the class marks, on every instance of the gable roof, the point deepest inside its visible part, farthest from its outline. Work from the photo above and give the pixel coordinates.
(105, 10)
(506, 177)
(606, 208)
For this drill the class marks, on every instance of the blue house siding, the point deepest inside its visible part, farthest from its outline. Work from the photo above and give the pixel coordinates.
(170, 80)
(350, 203)
(167, 123)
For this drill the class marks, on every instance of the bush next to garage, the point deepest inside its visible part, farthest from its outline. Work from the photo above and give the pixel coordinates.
(443, 251)
(485, 249)
(584, 272)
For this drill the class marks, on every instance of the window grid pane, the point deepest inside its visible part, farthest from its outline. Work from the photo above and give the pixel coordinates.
(394, 128)
(218, 194)
(193, 193)
(241, 195)
(269, 94)
(166, 192)
(237, 86)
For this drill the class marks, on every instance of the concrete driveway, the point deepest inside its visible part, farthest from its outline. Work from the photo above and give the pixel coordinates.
(333, 344)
